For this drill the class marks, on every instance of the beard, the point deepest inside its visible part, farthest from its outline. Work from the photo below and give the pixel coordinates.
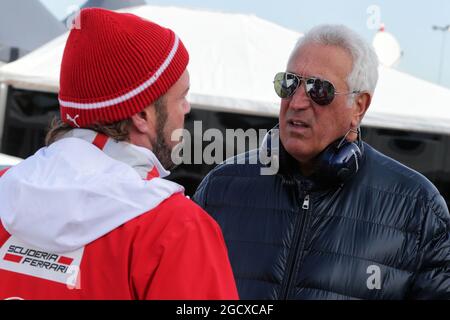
(163, 152)
(161, 148)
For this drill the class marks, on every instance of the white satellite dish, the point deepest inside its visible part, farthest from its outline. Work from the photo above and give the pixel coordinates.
(387, 47)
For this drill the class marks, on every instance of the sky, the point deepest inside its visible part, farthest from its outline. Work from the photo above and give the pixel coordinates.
(410, 21)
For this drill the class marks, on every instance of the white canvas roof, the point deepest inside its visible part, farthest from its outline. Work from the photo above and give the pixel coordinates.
(6, 160)
(402, 101)
(233, 58)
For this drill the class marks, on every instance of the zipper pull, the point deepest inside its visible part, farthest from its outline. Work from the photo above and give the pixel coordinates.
(306, 203)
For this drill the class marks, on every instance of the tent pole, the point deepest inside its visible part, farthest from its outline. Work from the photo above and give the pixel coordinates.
(3, 98)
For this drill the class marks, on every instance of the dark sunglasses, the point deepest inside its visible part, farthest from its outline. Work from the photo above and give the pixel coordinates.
(321, 91)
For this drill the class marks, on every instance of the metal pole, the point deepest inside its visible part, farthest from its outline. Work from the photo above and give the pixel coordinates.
(441, 60)
(3, 99)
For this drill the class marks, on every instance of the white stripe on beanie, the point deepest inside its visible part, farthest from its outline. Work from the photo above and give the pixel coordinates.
(130, 94)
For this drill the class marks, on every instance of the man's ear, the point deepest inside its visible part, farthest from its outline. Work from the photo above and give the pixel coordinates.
(361, 104)
(141, 120)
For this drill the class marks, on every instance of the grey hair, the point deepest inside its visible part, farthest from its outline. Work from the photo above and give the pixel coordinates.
(364, 74)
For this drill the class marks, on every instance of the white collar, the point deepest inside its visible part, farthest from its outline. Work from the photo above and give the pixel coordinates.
(141, 159)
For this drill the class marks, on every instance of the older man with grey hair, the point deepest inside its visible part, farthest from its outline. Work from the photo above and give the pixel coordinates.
(336, 219)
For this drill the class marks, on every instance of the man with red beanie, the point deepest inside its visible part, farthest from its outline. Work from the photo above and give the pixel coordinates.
(90, 216)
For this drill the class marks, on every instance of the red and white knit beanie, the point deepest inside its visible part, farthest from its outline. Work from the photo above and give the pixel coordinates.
(115, 65)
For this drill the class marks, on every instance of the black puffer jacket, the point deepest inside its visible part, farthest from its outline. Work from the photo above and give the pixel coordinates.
(385, 234)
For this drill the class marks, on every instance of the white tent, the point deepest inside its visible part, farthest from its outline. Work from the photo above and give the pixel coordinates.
(402, 101)
(6, 160)
(233, 60)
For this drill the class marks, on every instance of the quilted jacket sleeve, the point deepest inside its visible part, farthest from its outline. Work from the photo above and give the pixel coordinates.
(432, 280)
(200, 195)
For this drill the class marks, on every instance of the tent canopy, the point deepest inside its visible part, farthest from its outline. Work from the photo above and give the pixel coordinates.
(233, 58)
(7, 160)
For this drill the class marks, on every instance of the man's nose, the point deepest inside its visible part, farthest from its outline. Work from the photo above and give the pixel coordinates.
(300, 99)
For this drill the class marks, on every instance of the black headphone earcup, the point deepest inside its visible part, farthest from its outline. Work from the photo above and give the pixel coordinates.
(339, 164)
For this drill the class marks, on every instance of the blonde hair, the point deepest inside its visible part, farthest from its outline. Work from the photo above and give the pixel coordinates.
(118, 131)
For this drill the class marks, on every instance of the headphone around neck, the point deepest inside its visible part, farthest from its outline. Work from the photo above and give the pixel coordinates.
(340, 160)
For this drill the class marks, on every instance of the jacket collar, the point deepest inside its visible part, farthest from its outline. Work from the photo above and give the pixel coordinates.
(142, 160)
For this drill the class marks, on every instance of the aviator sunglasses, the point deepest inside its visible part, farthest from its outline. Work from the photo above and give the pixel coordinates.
(321, 91)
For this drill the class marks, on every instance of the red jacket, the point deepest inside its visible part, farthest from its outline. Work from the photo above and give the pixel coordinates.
(173, 251)
(159, 255)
